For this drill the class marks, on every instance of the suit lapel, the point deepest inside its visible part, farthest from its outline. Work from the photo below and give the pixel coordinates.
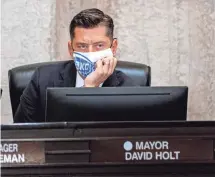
(112, 81)
(67, 76)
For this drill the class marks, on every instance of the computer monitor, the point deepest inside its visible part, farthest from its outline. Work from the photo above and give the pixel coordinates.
(116, 104)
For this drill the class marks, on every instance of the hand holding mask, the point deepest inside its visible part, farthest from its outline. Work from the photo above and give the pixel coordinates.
(104, 68)
(95, 67)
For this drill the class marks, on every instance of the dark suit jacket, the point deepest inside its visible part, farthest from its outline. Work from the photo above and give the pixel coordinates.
(33, 99)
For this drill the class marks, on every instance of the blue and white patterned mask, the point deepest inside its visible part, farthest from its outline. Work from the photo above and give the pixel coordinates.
(85, 62)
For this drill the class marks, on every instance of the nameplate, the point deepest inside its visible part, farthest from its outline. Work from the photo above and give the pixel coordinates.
(22, 153)
(151, 150)
(107, 150)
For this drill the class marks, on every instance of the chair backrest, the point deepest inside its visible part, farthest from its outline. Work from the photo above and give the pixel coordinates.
(20, 76)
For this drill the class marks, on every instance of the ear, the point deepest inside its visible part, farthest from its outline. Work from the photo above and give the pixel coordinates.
(114, 46)
(70, 48)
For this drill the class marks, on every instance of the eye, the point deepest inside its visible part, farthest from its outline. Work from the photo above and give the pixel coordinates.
(100, 45)
(82, 46)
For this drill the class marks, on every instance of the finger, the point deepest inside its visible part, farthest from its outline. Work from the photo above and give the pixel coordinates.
(106, 66)
(110, 71)
(106, 60)
(99, 64)
(99, 67)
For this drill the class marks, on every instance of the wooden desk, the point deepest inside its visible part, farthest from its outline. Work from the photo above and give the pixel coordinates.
(109, 149)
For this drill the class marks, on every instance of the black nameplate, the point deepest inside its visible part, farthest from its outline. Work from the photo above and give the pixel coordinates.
(22, 153)
(151, 150)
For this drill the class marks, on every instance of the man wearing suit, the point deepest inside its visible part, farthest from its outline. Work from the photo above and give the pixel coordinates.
(92, 48)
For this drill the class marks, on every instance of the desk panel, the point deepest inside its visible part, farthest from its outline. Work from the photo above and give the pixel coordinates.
(109, 150)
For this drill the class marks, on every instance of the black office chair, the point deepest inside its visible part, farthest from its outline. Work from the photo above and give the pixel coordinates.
(19, 77)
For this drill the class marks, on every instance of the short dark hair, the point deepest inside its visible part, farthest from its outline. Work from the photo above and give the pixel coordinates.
(91, 18)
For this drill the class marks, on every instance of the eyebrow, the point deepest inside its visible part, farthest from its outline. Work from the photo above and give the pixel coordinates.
(99, 42)
(82, 43)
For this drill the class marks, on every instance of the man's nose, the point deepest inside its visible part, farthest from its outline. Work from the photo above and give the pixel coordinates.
(91, 49)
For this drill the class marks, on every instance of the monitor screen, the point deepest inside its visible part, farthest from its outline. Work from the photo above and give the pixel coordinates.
(116, 104)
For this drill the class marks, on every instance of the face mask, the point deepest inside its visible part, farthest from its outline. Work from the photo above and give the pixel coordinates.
(85, 62)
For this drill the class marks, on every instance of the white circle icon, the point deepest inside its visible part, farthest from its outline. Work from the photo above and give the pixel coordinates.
(128, 146)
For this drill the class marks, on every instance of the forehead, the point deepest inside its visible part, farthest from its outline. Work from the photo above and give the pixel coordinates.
(91, 35)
